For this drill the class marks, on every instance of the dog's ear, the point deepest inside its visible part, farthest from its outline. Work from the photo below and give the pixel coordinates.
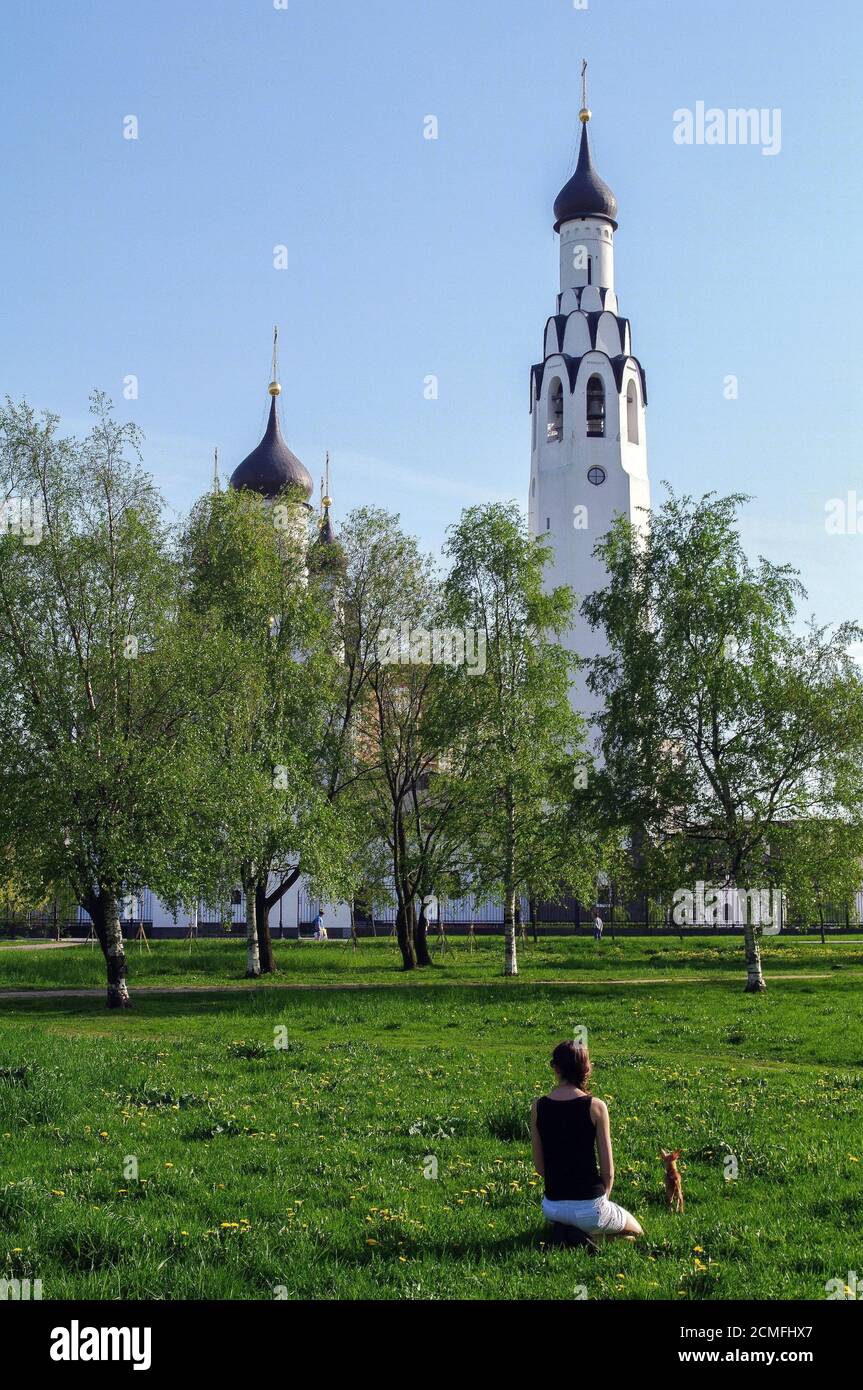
(663, 1154)
(675, 1155)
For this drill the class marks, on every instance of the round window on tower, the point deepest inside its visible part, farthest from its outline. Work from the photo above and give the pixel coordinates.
(596, 476)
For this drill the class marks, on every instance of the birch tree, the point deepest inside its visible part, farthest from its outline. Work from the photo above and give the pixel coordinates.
(246, 562)
(522, 739)
(105, 678)
(724, 718)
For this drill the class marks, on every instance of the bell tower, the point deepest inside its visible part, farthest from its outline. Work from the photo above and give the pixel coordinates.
(587, 403)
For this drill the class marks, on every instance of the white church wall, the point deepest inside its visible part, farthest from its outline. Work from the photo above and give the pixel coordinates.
(608, 335)
(586, 253)
(551, 343)
(576, 339)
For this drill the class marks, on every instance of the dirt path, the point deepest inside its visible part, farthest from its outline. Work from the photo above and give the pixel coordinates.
(772, 976)
(42, 945)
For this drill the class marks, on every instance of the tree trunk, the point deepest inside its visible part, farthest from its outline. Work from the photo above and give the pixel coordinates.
(510, 956)
(519, 923)
(404, 935)
(509, 947)
(265, 943)
(533, 908)
(285, 882)
(422, 949)
(253, 953)
(754, 978)
(105, 915)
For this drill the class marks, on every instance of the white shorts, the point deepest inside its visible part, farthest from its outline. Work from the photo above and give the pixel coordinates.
(595, 1215)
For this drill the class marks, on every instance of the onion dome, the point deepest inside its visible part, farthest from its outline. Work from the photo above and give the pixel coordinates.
(586, 194)
(326, 534)
(272, 467)
(326, 555)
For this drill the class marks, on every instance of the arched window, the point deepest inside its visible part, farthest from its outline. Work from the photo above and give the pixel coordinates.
(632, 413)
(595, 406)
(554, 427)
(533, 487)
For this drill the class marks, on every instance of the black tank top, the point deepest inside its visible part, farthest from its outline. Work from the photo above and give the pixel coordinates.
(568, 1147)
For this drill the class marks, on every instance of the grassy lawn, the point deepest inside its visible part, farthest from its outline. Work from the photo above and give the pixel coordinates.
(303, 1168)
(213, 961)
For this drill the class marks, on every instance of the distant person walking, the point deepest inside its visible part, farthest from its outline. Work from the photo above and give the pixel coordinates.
(597, 928)
(569, 1132)
(320, 929)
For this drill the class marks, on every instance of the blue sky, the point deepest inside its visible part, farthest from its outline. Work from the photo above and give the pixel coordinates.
(408, 257)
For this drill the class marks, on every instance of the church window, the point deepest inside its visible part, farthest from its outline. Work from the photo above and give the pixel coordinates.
(632, 413)
(596, 476)
(595, 407)
(533, 487)
(554, 426)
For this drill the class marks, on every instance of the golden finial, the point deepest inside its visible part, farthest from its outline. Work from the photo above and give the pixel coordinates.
(585, 113)
(326, 499)
(274, 388)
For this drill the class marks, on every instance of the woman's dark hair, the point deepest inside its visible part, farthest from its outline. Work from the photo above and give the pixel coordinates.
(573, 1063)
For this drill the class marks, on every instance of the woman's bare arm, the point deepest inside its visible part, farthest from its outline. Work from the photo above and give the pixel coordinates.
(599, 1115)
(536, 1143)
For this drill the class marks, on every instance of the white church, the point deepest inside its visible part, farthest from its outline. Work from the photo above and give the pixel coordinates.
(587, 404)
(588, 463)
(588, 399)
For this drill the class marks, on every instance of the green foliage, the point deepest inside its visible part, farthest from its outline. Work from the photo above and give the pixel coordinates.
(522, 742)
(732, 739)
(105, 674)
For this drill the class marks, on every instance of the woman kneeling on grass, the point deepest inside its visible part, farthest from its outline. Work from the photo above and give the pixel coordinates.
(569, 1128)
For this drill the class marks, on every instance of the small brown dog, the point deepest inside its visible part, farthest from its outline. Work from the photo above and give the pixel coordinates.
(673, 1184)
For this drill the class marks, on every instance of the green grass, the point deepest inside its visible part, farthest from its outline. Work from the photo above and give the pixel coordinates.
(213, 961)
(303, 1168)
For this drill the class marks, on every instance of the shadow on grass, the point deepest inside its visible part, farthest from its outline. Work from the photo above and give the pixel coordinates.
(268, 1002)
(536, 1239)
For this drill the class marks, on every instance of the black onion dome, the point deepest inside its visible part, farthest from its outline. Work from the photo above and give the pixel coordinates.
(272, 467)
(326, 534)
(325, 552)
(586, 194)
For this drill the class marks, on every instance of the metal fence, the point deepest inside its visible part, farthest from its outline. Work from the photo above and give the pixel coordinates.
(567, 914)
(54, 920)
